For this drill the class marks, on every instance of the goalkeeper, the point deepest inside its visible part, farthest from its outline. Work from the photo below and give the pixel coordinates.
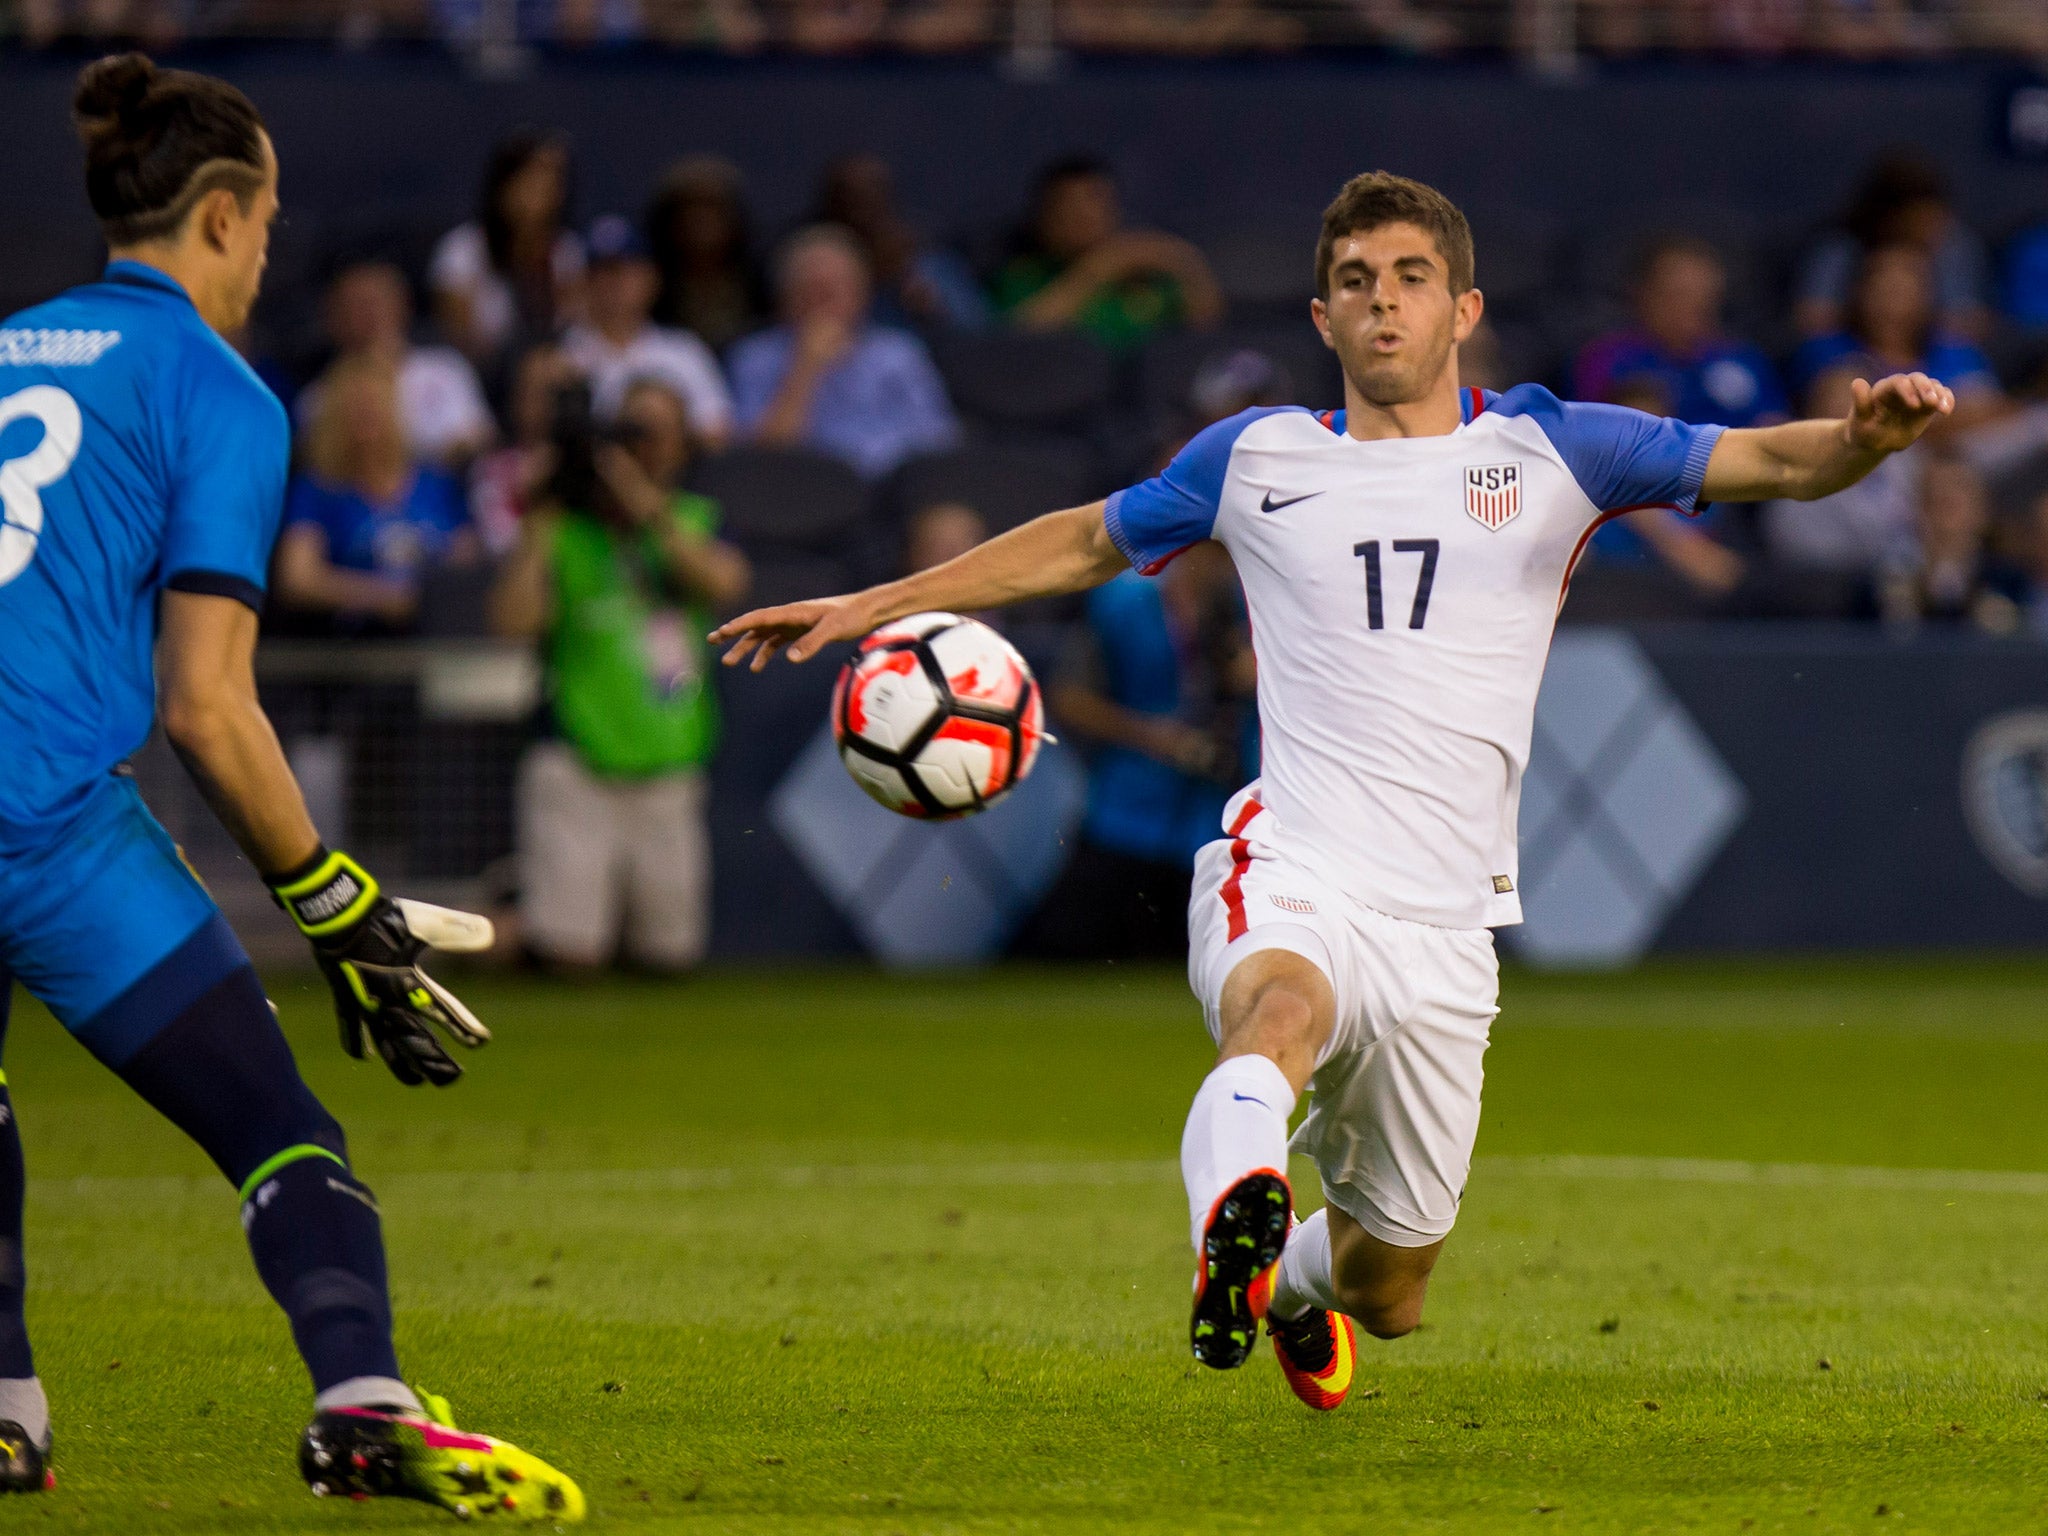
(142, 471)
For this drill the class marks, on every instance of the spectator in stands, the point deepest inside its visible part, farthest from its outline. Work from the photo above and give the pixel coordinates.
(440, 399)
(1892, 326)
(941, 532)
(1877, 29)
(617, 575)
(834, 27)
(1953, 577)
(1077, 265)
(1483, 360)
(699, 234)
(517, 267)
(1227, 381)
(367, 521)
(829, 378)
(619, 344)
(564, 23)
(944, 26)
(154, 25)
(916, 283)
(1158, 683)
(1902, 200)
(501, 484)
(1226, 26)
(1677, 342)
(1237, 380)
(725, 26)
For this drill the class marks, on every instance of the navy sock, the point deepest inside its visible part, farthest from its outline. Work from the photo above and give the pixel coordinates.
(222, 1072)
(16, 1362)
(320, 1250)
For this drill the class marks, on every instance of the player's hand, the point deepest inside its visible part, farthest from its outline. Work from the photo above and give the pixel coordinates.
(1890, 415)
(803, 628)
(369, 947)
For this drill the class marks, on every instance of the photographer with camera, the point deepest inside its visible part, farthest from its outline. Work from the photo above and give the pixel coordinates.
(616, 574)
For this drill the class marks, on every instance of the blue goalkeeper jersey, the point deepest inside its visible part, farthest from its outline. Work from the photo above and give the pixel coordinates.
(137, 452)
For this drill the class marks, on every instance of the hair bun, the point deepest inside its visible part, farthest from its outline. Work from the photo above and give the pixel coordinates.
(112, 88)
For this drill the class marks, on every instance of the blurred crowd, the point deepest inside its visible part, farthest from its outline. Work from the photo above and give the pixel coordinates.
(597, 434)
(1540, 29)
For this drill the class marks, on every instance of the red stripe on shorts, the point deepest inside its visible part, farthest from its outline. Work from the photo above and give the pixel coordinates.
(1240, 861)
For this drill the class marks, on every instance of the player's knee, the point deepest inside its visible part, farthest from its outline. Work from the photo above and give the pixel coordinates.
(1276, 1003)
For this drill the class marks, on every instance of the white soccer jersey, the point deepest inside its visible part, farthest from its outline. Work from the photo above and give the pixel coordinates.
(1402, 594)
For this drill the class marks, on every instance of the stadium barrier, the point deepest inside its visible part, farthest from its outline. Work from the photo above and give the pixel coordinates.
(1723, 787)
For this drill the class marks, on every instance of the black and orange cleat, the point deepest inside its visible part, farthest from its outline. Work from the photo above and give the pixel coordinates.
(370, 1453)
(1317, 1352)
(24, 1465)
(1241, 1242)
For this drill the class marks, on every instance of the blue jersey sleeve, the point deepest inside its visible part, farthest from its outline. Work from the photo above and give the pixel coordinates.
(1152, 522)
(228, 455)
(1621, 458)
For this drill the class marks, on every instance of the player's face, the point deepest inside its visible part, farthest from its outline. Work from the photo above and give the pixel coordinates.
(245, 243)
(1391, 317)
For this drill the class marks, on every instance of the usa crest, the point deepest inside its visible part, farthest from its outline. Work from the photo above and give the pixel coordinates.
(1493, 493)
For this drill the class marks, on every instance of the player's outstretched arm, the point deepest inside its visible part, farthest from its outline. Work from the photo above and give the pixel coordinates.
(1803, 460)
(368, 944)
(1060, 552)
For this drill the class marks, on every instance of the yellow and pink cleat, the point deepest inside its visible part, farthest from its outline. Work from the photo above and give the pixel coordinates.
(369, 1453)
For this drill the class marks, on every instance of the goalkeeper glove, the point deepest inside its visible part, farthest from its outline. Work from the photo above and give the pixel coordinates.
(369, 946)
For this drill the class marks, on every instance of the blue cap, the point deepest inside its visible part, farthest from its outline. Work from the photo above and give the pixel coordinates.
(614, 238)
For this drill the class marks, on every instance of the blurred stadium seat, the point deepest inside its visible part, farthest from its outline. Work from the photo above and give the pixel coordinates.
(1007, 483)
(1029, 382)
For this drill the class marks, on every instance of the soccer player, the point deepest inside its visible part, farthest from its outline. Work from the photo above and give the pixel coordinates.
(142, 471)
(1404, 560)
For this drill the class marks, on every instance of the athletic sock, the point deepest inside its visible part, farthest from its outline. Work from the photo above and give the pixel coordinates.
(22, 1401)
(223, 1074)
(21, 1395)
(1305, 1279)
(17, 1362)
(1238, 1124)
(368, 1392)
(319, 1248)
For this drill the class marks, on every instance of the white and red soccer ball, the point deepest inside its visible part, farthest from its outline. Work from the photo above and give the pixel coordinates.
(937, 716)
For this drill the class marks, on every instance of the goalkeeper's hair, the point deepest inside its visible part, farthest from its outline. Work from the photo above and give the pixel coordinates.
(158, 140)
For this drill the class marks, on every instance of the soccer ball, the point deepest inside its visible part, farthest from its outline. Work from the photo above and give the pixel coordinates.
(937, 716)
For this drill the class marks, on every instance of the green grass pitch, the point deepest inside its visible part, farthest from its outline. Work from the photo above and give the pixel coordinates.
(1747, 1247)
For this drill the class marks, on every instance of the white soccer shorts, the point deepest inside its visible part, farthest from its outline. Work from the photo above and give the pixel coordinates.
(1396, 1091)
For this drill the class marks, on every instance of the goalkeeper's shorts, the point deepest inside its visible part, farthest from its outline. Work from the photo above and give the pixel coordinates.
(109, 927)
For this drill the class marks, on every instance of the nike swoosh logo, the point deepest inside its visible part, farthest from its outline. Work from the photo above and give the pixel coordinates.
(1270, 505)
(1245, 1098)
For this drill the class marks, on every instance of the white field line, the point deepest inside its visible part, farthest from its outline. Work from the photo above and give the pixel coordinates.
(1126, 1172)
(1690, 1170)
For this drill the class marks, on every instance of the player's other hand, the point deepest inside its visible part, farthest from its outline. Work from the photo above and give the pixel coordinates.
(804, 628)
(369, 947)
(1891, 414)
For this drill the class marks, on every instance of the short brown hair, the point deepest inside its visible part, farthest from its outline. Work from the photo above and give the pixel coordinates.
(1380, 197)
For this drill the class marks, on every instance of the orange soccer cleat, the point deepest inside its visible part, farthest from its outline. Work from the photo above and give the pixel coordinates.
(1241, 1243)
(1317, 1352)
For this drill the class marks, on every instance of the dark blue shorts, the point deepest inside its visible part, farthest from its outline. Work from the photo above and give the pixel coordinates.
(109, 927)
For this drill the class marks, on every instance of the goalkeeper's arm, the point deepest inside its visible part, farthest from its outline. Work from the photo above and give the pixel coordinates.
(368, 944)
